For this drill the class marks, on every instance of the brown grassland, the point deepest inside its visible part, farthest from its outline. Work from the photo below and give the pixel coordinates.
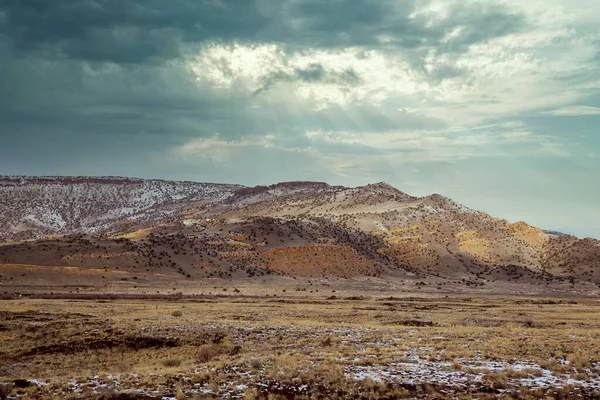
(300, 348)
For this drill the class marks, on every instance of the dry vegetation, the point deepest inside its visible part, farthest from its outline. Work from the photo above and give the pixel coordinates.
(258, 293)
(286, 348)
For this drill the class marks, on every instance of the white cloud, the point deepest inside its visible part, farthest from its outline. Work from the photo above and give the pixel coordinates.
(479, 93)
(219, 150)
(216, 149)
(368, 150)
(575, 110)
(551, 149)
(516, 74)
(250, 67)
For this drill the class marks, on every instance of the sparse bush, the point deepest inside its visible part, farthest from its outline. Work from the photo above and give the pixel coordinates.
(177, 314)
(5, 390)
(579, 361)
(457, 366)
(216, 335)
(206, 353)
(255, 363)
(334, 374)
(172, 362)
(529, 323)
(251, 394)
(125, 367)
(111, 394)
(370, 384)
(212, 350)
(498, 379)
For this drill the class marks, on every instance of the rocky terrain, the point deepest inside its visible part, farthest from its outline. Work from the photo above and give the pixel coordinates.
(116, 288)
(297, 348)
(34, 207)
(194, 231)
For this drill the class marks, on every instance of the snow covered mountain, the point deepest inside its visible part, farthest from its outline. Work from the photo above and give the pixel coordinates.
(31, 207)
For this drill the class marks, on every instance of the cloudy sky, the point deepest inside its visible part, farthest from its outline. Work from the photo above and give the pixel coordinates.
(495, 104)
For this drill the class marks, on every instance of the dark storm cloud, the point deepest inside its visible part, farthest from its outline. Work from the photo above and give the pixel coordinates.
(69, 97)
(53, 54)
(479, 23)
(342, 14)
(128, 31)
(124, 31)
(313, 73)
(82, 75)
(339, 23)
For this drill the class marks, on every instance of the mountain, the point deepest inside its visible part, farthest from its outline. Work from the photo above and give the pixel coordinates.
(34, 207)
(297, 229)
(554, 233)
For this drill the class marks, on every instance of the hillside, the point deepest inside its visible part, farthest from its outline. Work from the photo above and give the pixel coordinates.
(195, 231)
(34, 207)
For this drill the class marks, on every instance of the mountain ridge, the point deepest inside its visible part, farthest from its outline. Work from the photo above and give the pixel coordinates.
(300, 228)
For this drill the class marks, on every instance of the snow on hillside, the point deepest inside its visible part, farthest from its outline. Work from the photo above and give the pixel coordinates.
(34, 206)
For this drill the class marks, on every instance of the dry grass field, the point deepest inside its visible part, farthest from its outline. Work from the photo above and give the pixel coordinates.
(300, 348)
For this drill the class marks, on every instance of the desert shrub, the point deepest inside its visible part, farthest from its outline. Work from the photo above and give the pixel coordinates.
(211, 350)
(255, 363)
(457, 366)
(333, 374)
(206, 353)
(498, 379)
(579, 361)
(172, 362)
(5, 390)
(554, 365)
(207, 336)
(251, 394)
(111, 394)
(276, 396)
(530, 323)
(177, 314)
(522, 373)
(124, 367)
(370, 384)
(288, 366)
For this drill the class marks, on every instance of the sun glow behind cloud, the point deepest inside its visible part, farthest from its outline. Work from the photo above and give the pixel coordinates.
(321, 77)
(499, 79)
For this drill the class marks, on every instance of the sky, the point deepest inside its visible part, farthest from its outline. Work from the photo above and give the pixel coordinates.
(495, 104)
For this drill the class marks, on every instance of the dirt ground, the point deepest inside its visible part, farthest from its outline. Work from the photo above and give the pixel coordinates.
(60, 280)
(294, 344)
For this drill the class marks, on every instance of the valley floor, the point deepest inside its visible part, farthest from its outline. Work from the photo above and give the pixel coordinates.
(294, 347)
